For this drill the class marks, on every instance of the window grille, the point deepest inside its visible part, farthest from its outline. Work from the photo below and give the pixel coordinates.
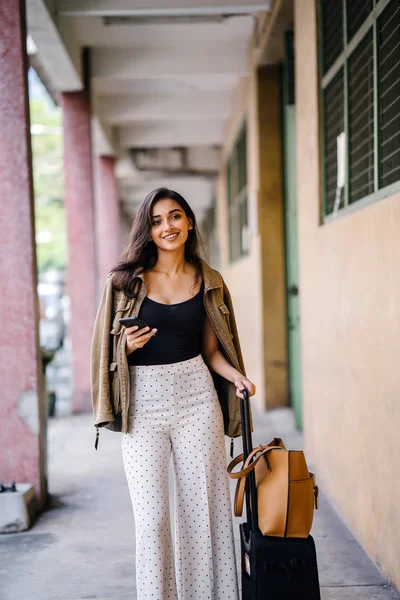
(237, 197)
(360, 96)
(361, 120)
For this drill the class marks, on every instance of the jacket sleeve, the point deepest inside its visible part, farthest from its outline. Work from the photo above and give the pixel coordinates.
(229, 304)
(100, 359)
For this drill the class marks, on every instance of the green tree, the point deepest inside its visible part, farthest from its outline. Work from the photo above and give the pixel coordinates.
(47, 155)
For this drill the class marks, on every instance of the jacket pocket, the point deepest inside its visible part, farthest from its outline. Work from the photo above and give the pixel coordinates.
(122, 308)
(115, 389)
(227, 316)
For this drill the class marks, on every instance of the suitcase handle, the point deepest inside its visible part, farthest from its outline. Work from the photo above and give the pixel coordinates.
(250, 486)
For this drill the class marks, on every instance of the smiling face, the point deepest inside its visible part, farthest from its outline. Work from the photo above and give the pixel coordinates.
(170, 225)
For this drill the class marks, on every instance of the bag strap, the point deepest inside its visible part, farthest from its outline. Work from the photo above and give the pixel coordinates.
(241, 475)
(249, 464)
(275, 442)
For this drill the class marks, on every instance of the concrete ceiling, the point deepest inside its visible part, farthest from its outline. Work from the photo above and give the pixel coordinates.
(160, 76)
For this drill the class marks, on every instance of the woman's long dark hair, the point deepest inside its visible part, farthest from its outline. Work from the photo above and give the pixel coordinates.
(141, 252)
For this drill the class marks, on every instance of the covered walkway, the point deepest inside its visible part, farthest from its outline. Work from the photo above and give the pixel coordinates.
(251, 110)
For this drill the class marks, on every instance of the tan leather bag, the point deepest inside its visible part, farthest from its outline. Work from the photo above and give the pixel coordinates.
(286, 490)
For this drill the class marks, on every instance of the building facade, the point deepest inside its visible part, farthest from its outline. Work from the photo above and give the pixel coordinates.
(314, 266)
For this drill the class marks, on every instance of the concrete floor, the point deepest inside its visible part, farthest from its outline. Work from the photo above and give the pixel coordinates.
(83, 547)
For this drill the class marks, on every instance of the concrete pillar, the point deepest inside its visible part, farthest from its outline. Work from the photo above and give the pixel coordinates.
(23, 421)
(81, 275)
(108, 229)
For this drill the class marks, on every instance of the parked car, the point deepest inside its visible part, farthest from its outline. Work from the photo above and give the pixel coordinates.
(52, 322)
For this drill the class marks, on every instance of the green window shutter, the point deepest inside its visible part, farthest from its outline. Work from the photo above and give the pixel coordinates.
(243, 219)
(333, 126)
(229, 175)
(237, 197)
(332, 31)
(229, 182)
(388, 27)
(241, 152)
(361, 119)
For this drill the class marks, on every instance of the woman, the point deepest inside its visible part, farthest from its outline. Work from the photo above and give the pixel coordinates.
(163, 398)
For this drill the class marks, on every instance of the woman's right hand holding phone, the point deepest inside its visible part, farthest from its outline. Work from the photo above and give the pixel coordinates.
(137, 338)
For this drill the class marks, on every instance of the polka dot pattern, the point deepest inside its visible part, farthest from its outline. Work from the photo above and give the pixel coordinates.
(175, 412)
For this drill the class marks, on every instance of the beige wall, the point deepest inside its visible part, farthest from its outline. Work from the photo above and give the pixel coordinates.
(350, 328)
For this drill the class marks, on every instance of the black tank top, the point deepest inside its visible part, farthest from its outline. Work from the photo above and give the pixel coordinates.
(178, 334)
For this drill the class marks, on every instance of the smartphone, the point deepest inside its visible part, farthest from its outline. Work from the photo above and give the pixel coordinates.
(131, 321)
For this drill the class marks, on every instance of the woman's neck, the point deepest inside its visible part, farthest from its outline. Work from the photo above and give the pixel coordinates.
(170, 264)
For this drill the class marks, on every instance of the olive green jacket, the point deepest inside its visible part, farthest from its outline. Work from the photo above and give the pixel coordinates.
(110, 381)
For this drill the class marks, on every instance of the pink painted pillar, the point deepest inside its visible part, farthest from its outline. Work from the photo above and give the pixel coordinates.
(22, 421)
(81, 276)
(108, 228)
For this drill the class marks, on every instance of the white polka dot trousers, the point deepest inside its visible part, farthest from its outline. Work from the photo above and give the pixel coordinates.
(175, 410)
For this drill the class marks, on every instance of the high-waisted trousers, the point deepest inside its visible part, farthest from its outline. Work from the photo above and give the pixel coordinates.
(175, 411)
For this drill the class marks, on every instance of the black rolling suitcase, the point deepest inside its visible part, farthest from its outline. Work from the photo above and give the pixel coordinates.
(273, 568)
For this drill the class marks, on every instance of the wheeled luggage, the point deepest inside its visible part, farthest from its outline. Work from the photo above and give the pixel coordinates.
(272, 568)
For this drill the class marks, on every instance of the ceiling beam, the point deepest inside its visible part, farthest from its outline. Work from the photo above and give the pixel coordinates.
(175, 85)
(164, 134)
(148, 63)
(128, 33)
(126, 109)
(142, 8)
